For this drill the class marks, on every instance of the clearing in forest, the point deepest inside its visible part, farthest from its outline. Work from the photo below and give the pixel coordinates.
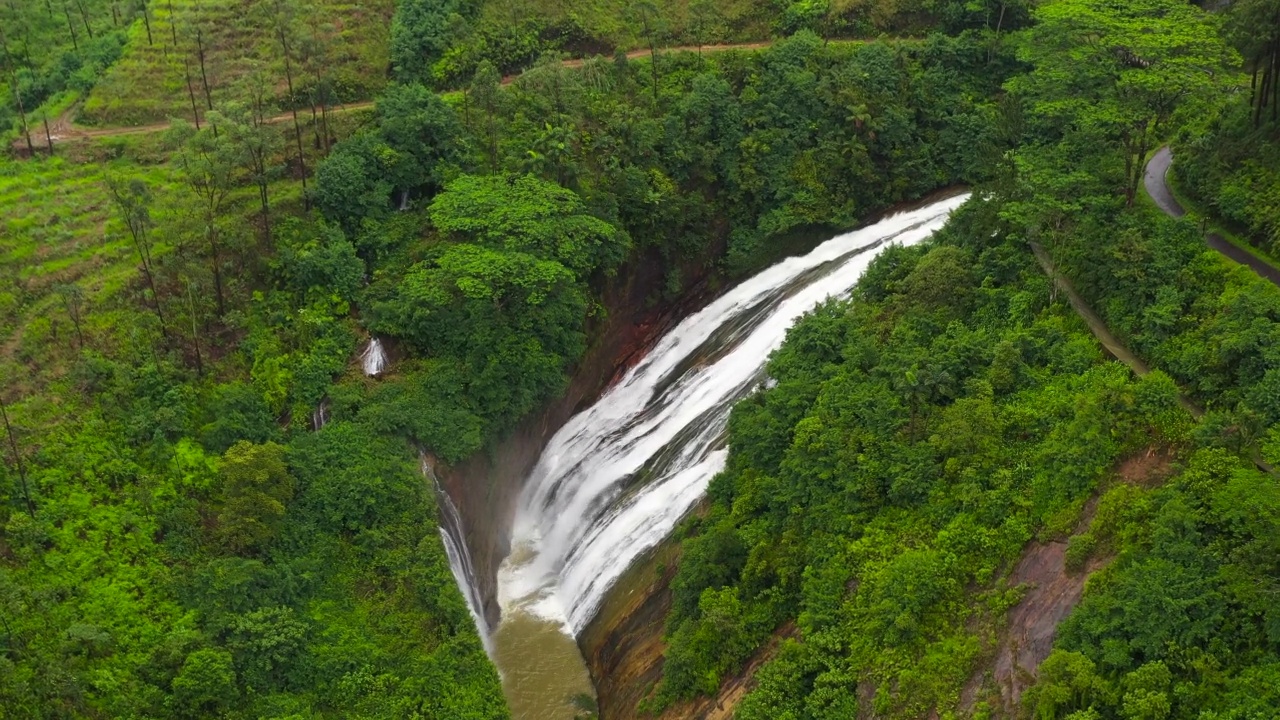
(199, 51)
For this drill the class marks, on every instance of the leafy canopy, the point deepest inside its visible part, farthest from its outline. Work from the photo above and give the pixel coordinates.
(527, 214)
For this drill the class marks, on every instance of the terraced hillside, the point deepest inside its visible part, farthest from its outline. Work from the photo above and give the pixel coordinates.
(337, 51)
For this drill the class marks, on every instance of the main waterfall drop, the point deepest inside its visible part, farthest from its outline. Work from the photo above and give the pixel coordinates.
(617, 478)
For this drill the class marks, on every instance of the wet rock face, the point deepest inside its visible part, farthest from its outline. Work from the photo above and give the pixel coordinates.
(624, 648)
(623, 645)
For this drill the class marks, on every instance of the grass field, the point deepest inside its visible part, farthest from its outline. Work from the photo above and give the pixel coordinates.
(60, 228)
(345, 41)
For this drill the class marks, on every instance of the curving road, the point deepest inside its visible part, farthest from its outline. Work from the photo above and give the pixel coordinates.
(1157, 183)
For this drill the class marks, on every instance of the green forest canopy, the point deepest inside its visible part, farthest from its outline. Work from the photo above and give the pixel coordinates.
(183, 536)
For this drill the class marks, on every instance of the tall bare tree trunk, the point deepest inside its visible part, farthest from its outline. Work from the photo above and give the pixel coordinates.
(216, 251)
(17, 96)
(173, 25)
(293, 109)
(195, 332)
(146, 20)
(1275, 80)
(204, 75)
(85, 18)
(70, 26)
(17, 459)
(48, 137)
(191, 93)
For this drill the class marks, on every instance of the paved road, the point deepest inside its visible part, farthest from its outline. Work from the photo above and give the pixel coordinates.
(1157, 183)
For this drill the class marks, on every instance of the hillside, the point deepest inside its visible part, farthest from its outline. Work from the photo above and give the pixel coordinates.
(210, 49)
(442, 43)
(946, 490)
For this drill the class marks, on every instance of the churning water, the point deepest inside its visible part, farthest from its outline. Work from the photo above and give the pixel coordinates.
(619, 476)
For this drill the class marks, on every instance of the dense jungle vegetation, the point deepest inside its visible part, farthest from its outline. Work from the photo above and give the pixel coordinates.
(923, 433)
(1229, 161)
(207, 510)
(444, 41)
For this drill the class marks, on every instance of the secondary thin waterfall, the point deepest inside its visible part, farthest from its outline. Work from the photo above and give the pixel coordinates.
(615, 480)
(453, 533)
(374, 358)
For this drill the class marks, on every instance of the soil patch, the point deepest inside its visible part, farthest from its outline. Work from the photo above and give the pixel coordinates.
(1053, 592)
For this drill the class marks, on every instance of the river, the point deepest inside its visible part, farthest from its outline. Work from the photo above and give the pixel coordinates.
(615, 480)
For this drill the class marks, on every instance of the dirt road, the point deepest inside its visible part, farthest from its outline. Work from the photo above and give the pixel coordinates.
(64, 129)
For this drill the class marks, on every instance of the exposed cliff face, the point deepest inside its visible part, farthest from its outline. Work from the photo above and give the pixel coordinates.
(624, 649)
(623, 645)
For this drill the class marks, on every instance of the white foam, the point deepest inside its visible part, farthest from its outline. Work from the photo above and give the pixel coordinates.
(374, 359)
(619, 476)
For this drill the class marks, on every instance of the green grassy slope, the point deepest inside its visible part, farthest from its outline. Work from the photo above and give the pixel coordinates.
(337, 47)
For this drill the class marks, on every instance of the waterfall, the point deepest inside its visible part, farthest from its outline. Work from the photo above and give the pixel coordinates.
(615, 480)
(374, 359)
(453, 533)
(320, 416)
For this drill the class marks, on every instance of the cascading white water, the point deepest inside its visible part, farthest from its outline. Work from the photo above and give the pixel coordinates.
(320, 416)
(460, 562)
(615, 480)
(452, 533)
(374, 359)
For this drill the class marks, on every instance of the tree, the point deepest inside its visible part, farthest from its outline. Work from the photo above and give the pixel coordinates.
(353, 183)
(256, 487)
(73, 300)
(1120, 72)
(513, 318)
(317, 257)
(425, 134)
(71, 28)
(652, 27)
(706, 22)
(11, 65)
(1068, 681)
(206, 685)
(254, 141)
(485, 94)
(208, 162)
(524, 213)
(314, 48)
(132, 199)
(284, 20)
(941, 279)
(17, 459)
(421, 32)
(200, 57)
(1254, 28)
(266, 643)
